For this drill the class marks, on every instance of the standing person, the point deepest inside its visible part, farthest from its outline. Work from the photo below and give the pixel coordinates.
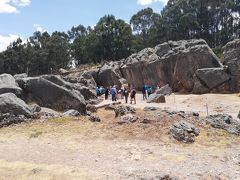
(114, 93)
(126, 94)
(97, 91)
(133, 95)
(122, 91)
(106, 93)
(144, 92)
(149, 90)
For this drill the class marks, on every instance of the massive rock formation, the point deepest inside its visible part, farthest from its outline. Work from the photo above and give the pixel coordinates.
(232, 61)
(187, 66)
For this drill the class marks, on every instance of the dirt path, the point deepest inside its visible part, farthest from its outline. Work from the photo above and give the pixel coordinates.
(214, 103)
(67, 148)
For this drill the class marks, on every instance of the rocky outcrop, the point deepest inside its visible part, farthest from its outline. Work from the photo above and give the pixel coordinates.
(9, 85)
(226, 122)
(52, 92)
(156, 98)
(232, 61)
(184, 132)
(174, 63)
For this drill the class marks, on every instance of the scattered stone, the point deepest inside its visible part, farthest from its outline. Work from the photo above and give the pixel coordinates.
(129, 118)
(165, 90)
(156, 98)
(195, 114)
(239, 115)
(9, 85)
(184, 132)
(47, 113)
(71, 112)
(9, 119)
(94, 118)
(91, 108)
(226, 122)
(146, 121)
(151, 109)
(123, 110)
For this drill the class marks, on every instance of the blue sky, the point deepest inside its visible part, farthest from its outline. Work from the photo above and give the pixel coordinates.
(20, 18)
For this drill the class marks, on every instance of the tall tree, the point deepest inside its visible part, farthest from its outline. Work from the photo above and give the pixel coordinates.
(144, 24)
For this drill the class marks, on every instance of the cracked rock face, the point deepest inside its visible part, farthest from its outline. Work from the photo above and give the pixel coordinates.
(232, 61)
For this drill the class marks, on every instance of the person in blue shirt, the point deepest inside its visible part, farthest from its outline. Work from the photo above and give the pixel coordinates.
(144, 92)
(149, 90)
(114, 93)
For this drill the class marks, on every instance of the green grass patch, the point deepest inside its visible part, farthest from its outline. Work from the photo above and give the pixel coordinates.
(62, 120)
(36, 134)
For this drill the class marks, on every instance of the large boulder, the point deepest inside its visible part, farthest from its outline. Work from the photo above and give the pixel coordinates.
(109, 74)
(212, 77)
(79, 88)
(232, 61)
(10, 103)
(156, 98)
(53, 93)
(165, 90)
(9, 85)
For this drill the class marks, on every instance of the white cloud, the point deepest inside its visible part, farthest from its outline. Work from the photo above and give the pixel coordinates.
(6, 40)
(21, 2)
(147, 2)
(39, 28)
(10, 6)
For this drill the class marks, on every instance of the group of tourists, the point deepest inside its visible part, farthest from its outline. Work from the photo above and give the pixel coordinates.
(125, 92)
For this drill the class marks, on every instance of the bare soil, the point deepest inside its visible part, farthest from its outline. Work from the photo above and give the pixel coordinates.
(75, 148)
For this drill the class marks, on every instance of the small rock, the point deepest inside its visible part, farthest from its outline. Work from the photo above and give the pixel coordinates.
(91, 108)
(123, 110)
(195, 114)
(129, 118)
(94, 118)
(151, 109)
(71, 112)
(146, 121)
(47, 113)
(239, 115)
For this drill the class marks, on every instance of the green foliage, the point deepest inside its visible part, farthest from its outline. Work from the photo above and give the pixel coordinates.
(219, 52)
